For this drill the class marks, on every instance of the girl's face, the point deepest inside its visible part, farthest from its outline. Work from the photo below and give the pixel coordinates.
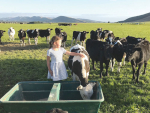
(57, 44)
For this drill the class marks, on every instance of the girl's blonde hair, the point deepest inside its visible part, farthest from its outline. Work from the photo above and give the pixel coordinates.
(54, 39)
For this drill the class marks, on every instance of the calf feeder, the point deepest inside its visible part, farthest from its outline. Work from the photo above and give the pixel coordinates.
(42, 96)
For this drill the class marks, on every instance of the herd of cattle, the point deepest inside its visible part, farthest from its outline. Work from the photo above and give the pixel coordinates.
(102, 46)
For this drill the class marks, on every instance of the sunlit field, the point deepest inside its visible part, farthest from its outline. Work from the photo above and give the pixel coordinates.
(121, 94)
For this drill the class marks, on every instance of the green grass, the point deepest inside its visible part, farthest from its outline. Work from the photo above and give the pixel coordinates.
(29, 64)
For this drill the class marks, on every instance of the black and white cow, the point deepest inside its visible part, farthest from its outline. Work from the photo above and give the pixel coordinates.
(138, 55)
(99, 51)
(11, 33)
(104, 34)
(33, 34)
(94, 35)
(111, 38)
(119, 49)
(79, 36)
(22, 36)
(79, 66)
(1, 34)
(133, 40)
(45, 33)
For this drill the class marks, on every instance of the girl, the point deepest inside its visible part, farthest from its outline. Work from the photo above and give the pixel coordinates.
(56, 69)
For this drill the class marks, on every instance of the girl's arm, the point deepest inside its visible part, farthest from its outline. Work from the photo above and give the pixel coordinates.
(75, 54)
(48, 65)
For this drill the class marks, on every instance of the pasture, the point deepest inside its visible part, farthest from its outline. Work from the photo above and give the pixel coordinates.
(121, 94)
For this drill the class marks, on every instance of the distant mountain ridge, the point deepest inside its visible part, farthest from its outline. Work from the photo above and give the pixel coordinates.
(45, 19)
(140, 18)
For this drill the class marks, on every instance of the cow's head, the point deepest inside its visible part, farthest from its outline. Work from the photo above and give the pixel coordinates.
(83, 34)
(2, 32)
(131, 52)
(58, 31)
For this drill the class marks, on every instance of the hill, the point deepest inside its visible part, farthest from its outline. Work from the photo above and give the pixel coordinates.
(45, 19)
(140, 18)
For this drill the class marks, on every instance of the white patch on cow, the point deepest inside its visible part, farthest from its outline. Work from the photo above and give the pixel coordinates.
(110, 39)
(118, 41)
(100, 34)
(32, 31)
(28, 30)
(78, 37)
(77, 47)
(110, 32)
(81, 60)
(139, 39)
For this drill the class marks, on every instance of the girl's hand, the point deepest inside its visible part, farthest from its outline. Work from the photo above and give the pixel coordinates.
(81, 55)
(51, 72)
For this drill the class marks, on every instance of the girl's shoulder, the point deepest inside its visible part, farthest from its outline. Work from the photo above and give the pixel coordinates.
(49, 50)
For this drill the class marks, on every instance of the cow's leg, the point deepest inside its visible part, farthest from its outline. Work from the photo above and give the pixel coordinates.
(119, 65)
(13, 38)
(93, 64)
(21, 42)
(145, 65)
(107, 65)
(101, 68)
(76, 41)
(36, 40)
(29, 40)
(72, 41)
(81, 43)
(138, 72)
(0, 41)
(64, 44)
(133, 69)
(124, 57)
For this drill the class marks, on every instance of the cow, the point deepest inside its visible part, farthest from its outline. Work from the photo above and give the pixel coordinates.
(138, 54)
(133, 40)
(45, 33)
(79, 66)
(111, 38)
(33, 34)
(119, 53)
(11, 33)
(99, 51)
(62, 35)
(1, 34)
(106, 34)
(94, 35)
(22, 36)
(58, 31)
(79, 36)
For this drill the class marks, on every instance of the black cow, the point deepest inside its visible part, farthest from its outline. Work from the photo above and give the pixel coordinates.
(33, 34)
(119, 52)
(45, 33)
(138, 55)
(133, 40)
(79, 66)
(94, 35)
(22, 36)
(79, 36)
(99, 51)
(1, 34)
(58, 31)
(62, 35)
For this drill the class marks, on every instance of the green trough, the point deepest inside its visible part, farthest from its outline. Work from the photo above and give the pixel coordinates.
(42, 96)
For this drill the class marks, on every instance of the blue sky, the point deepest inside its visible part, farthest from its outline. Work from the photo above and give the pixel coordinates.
(100, 10)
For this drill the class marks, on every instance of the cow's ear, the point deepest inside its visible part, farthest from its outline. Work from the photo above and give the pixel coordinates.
(4, 31)
(87, 32)
(51, 29)
(138, 49)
